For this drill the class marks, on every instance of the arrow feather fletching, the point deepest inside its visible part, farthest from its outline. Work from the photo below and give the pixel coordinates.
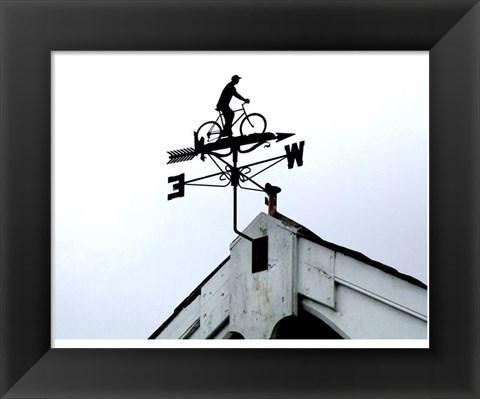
(185, 154)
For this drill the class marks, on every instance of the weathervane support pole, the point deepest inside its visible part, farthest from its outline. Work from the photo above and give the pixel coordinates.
(235, 217)
(235, 176)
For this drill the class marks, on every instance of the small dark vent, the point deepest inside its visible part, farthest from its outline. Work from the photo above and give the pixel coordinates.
(260, 254)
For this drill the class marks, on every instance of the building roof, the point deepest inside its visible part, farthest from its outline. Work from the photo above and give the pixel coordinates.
(302, 231)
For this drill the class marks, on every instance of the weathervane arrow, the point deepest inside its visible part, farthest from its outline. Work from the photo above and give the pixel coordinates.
(257, 139)
(235, 143)
(239, 141)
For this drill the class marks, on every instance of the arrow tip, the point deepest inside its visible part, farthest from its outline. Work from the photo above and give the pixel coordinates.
(283, 136)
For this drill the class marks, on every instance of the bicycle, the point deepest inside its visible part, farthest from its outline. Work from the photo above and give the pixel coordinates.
(251, 123)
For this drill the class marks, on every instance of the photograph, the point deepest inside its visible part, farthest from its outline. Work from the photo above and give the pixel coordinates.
(275, 197)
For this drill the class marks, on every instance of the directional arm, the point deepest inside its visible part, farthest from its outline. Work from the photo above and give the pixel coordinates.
(180, 184)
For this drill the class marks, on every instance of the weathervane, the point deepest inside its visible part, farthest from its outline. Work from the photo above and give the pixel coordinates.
(214, 139)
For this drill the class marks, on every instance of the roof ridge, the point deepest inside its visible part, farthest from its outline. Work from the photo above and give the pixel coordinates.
(310, 235)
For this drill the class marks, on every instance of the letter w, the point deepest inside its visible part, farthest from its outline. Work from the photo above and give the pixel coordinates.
(294, 153)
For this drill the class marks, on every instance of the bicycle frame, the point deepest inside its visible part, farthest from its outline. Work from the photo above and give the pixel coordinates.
(220, 116)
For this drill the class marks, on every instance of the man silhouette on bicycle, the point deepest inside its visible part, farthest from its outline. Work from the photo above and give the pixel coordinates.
(223, 104)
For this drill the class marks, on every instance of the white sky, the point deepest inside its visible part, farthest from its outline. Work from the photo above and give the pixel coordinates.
(124, 257)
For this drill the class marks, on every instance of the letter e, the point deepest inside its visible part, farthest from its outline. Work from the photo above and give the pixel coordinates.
(179, 186)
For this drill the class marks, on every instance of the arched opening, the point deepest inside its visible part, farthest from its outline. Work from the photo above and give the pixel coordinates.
(303, 326)
(233, 335)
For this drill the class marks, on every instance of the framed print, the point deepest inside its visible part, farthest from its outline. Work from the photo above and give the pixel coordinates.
(33, 32)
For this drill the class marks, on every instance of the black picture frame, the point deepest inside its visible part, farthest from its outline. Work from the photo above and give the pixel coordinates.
(30, 30)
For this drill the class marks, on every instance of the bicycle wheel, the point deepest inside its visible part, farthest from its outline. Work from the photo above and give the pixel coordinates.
(253, 123)
(210, 131)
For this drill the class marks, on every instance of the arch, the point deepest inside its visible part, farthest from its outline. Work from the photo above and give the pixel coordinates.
(313, 308)
(233, 335)
(303, 326)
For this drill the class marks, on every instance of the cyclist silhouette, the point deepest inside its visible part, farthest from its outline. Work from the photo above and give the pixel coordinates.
(223, 104)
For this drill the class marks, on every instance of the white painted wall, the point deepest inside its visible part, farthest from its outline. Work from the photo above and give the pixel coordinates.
(260, 300)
